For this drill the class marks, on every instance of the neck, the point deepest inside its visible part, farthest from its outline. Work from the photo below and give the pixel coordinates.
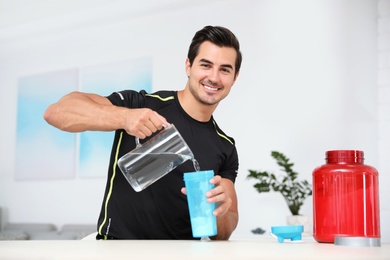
(193, 107)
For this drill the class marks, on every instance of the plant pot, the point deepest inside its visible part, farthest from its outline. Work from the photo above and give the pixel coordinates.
(305, 221)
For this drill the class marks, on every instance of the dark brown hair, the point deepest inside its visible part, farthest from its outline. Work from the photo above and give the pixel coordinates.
(219, 36)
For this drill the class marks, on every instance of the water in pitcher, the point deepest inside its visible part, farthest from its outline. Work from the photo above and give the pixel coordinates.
(148, 168)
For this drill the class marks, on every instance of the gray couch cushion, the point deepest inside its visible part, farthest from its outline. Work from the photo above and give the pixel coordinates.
(51, 235)
(13, 235)
(30, 227)
(80, 230)
(39, 231)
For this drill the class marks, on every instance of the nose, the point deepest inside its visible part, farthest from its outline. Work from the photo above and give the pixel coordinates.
(214, 76)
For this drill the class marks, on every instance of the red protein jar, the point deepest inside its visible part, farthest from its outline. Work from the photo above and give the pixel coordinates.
(346, 200)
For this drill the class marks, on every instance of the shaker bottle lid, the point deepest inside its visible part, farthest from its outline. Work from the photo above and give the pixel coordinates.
(357, 241)
(346, 156)
(292, 232)
(344, 153)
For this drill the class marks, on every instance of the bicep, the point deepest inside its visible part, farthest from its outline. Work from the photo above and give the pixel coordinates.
(99, 99)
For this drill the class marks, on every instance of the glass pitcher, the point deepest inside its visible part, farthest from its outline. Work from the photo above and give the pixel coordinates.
(152, 160)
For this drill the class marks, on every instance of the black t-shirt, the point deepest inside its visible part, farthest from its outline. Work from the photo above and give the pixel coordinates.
(160, 211)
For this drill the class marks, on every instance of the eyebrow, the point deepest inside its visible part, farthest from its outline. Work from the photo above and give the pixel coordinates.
(223, 65)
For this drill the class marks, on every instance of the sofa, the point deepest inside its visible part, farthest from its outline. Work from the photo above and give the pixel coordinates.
(44, 231)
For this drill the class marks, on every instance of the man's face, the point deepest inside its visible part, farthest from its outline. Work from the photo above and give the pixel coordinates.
(211, 75)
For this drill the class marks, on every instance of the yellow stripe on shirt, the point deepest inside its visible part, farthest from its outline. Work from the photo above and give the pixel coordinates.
(161, 98)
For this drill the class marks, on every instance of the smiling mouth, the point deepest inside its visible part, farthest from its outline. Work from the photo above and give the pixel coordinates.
(210, 86)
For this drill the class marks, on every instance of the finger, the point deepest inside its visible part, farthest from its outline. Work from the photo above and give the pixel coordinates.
(216, 180)
(215, 198)
(150, 125)
(149, 128)
(218, 190)
(222, 207)
(220, 210)
(158, 121)
(144, 131)
(162, 119)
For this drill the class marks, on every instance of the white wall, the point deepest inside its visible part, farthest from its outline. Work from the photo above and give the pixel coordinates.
(384, 111)
(308, 84)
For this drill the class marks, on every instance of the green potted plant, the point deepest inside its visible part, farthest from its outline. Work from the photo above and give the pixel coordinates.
(294, 192)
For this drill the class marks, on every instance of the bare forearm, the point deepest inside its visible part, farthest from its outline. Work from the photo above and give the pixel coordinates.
(226, 225)
(77, 112)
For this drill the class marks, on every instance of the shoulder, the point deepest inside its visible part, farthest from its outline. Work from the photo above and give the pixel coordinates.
(137, 99)
(160, 99)
(128, 98)
(222, 134)
(163, 95)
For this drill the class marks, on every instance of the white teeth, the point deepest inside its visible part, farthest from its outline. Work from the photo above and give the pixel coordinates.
(210, 88)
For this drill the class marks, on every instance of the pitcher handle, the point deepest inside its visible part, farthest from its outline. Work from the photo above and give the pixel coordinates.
(138, 144)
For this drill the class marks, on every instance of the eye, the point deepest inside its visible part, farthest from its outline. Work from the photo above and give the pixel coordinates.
(226, 70)
(205, 65)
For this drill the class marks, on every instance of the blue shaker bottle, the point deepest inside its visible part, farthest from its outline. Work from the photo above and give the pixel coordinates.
(203, 222)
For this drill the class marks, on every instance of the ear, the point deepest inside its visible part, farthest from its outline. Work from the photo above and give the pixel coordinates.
(188, 67)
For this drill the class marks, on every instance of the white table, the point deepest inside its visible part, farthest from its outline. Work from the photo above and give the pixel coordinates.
(169, 249)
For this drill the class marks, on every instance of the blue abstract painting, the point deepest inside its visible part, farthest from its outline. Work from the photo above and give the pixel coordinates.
(42, 151)
(104, 79)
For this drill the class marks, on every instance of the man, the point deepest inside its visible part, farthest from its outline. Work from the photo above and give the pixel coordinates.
(160, 211)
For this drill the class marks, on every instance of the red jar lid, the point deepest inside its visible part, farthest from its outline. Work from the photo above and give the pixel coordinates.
(344, 156)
